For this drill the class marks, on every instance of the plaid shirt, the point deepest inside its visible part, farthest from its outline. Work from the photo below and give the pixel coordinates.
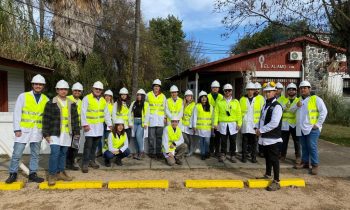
(52, 118)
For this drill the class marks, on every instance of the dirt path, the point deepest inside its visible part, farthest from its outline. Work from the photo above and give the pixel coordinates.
(320, 193)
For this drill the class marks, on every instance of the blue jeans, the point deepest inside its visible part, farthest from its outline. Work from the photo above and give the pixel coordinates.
(309, 148)
(18, 149)
(138, 129)
(204, 145)
(57, 159)
(109, 155)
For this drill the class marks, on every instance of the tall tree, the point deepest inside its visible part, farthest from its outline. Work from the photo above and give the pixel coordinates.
(31, 18)
(42, 18)
(135, 69)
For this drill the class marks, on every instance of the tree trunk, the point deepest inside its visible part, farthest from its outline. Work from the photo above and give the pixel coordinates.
(31, 18)
(137, 49)
(42, 18)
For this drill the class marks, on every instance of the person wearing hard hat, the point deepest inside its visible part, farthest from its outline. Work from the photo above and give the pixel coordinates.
(279, 94)
(228, 120)
(213, 97)
(94, 113)
(289, 122)
(108, 96)
(173, 145)
(269, 133)
(27, 124)
(72, 152)
(186, 128)
(174, 105)
(311, 114)
(203, 123)
(251, 108)
(121, 109)
(117, 144)
(261, 98)
(157, 119)
(139, 122)
(60, 125)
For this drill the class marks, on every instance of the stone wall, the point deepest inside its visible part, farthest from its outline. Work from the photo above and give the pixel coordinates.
(315, 68)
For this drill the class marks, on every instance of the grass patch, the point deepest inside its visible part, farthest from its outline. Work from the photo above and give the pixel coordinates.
(336, 133)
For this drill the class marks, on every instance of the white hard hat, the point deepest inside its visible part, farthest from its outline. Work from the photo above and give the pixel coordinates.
(123, 91)
(228, 87)
(269, 86)
(291, 85)
(257, 85)
(279, 85)
(174, 89)
(119, 121)
(215, 84)
(98, 85)
(250, 86)
(157, 82)
(108, 92)
(175, 118)
(77, 86)
(188, 93)
(62, 84)
(38, 79)
(305, 84)
(202, 93)
(141, 91)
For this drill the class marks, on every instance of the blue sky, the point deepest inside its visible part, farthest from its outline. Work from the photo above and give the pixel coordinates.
(199, 22)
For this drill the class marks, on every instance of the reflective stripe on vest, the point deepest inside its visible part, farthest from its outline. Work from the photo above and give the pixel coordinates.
(172, 137)
(156, 104)
(123, 114)
(312, 109)
(174, 107)
(233, 108)
(95, 111)
(289, 116)
(256, 107)
(32, 112)
(204, 119)
(116, 142)
(188, 114)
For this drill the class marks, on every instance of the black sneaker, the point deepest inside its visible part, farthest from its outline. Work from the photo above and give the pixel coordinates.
(12, 178)
(118, 161)
(254, 160)
(107, 163)
(33, 177)
(72, 167)
(244, 160)
(178, 161)
(275, 185)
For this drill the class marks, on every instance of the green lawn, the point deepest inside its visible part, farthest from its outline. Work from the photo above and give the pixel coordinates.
(336, 133)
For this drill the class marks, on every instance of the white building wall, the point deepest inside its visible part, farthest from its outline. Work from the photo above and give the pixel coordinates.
(335, 83)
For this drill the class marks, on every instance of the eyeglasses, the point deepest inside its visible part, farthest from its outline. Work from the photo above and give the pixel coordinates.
(227, 90)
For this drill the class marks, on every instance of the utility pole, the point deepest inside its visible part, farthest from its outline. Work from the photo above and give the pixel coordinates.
(137, 49)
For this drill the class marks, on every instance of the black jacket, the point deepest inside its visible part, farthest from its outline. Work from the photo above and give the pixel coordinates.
(52, 118)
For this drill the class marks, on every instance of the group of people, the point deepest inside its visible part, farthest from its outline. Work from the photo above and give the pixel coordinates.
(172, 126)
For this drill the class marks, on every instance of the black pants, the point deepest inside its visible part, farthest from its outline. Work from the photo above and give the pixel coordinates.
(90, 146)
(223, 143)
(71, 155)
(271, 153)
(155, 140)
(285, 137)
(215, 142)
(249, 140)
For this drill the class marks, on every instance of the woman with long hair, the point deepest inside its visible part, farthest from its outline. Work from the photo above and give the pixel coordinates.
(187, 130)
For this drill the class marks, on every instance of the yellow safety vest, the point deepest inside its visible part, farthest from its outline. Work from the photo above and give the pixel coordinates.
(95, 111)
(110, 108)
(64, 117)
(116, 142)
(281, 99)
(256, 108)
(289, 116)
(143, 113)
(188, 110)
(123, 114)
(78, 102)
(312, 109)
(204, 119)
(174, 107)
(173, 136)
(221, 109)
(32, 112)
(211, 100)
(156, 103)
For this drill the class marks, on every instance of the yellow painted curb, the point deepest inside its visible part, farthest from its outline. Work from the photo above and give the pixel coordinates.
(72, 185)
(263, 183)
(12, 186)
(214, 183)
(129, 184)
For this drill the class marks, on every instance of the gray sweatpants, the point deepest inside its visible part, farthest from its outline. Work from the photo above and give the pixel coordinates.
(155, 140)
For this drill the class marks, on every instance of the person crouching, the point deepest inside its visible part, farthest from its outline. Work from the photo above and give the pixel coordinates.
(173, 144)
(60, 122)
(116, 145)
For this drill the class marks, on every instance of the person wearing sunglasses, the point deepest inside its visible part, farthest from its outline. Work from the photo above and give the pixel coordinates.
(94, 112)
(227, 120)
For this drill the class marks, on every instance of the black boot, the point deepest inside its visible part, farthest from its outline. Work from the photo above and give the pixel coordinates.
(118, 161)
(33, 177)
(12, 178)
(107, 163)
